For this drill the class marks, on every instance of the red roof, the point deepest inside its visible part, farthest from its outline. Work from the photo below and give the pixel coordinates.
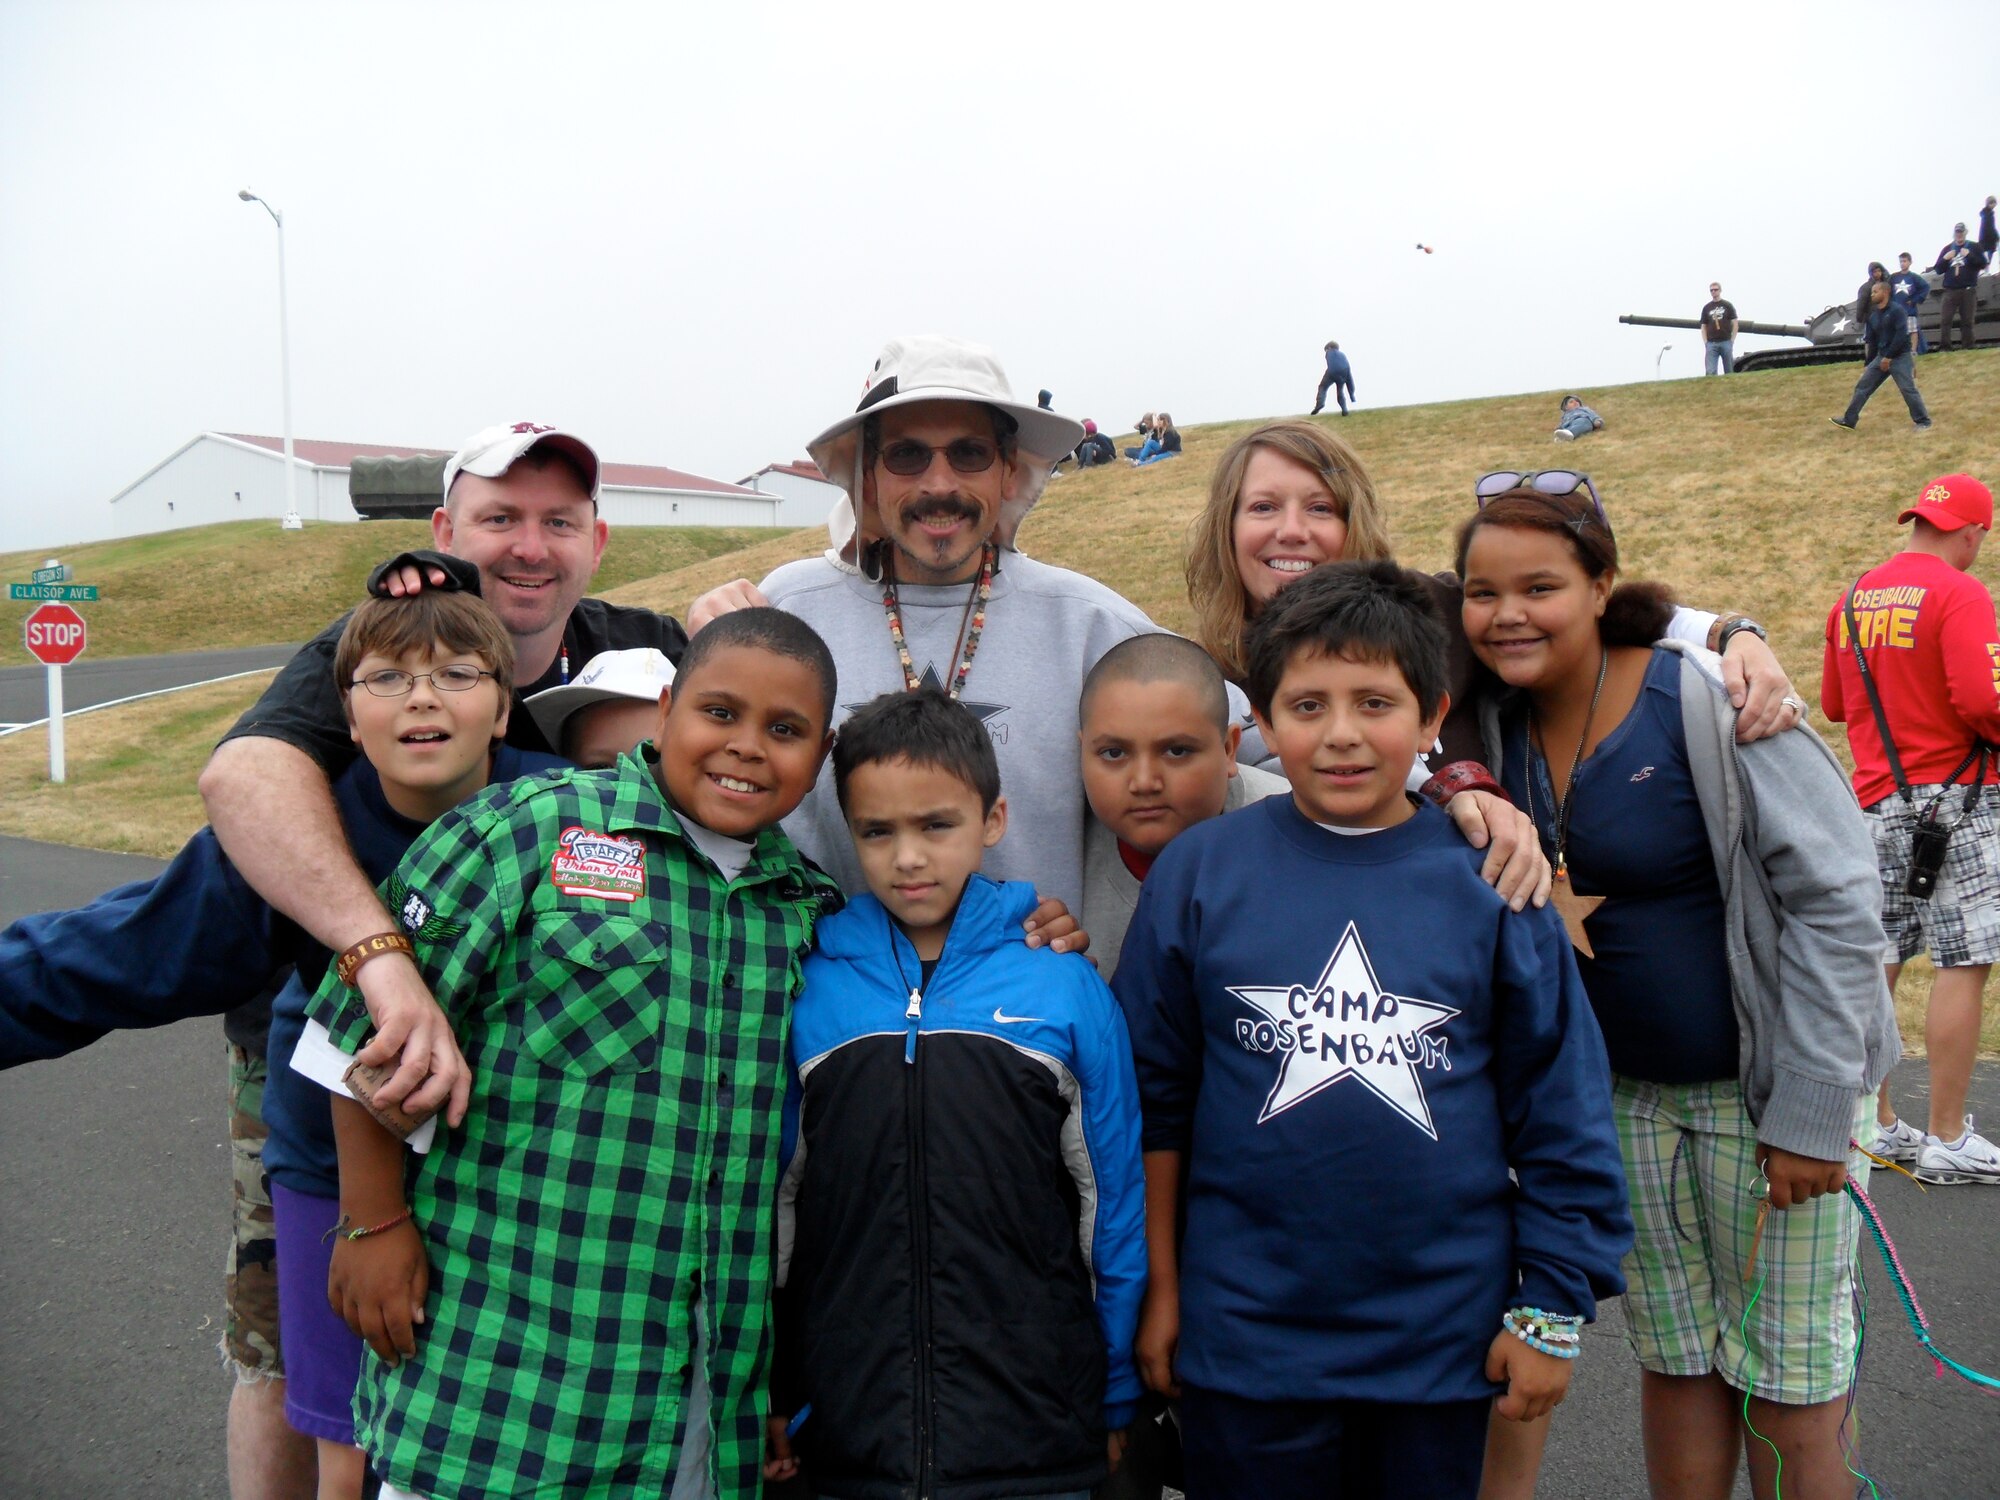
(327, 455)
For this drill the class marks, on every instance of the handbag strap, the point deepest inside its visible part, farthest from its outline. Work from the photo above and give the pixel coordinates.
(1874, 696)
(1977, 753)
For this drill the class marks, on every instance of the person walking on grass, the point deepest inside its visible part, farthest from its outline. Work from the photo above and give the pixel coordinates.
(1888, 354)
(1926, 628)
(1339, 377)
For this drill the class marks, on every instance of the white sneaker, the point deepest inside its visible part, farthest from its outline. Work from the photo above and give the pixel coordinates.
(1898, 1142)
(1971, 1158)
(1564, 435)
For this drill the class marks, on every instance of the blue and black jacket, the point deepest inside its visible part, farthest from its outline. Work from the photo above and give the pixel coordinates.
(961, 1219)
(1888, 334)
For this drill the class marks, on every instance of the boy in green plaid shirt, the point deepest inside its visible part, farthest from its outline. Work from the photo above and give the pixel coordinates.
(617, 950)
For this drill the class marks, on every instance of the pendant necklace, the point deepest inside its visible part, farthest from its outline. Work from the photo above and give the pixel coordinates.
(970, 626)
(1574, 908)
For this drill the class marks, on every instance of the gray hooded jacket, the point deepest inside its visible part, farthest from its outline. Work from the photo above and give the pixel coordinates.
(1802, 899)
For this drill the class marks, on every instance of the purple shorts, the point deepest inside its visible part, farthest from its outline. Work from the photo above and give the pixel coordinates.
(322, 1358)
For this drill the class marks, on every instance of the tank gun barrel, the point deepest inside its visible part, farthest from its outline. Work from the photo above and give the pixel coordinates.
(1779, 330)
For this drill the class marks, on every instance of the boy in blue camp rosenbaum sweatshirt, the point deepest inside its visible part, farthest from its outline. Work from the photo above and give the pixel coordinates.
(1379, 1092)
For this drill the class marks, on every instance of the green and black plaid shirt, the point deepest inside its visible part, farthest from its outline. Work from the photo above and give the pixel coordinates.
(624, 1012)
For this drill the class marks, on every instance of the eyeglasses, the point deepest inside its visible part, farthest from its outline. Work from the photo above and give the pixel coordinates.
(1555, 483)
(966, 455)
(390, 683)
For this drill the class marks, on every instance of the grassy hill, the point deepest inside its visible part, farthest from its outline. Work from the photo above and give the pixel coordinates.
(246, 583)
(1737, 491)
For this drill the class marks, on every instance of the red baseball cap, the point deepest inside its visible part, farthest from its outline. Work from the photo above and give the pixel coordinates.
(1951, 502)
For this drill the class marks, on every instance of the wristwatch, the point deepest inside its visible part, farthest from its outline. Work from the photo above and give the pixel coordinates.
(1741, 622)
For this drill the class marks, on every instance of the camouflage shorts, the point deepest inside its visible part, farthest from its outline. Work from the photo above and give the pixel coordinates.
(250, 1279)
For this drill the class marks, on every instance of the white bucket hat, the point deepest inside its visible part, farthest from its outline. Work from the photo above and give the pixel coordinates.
(929, 367)
(640, 673)
(492, 451)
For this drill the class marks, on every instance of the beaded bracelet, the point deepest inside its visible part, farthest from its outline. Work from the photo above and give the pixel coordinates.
(348, 1230)
(1556, 1334)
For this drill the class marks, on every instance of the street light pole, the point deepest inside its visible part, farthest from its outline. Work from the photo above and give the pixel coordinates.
(291, 521)
(1658, 357)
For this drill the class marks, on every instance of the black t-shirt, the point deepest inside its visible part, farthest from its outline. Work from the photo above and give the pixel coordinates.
(1717, 318)
(1170, 440)
(302, 706)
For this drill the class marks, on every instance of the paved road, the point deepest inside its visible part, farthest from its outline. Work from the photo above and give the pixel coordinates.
(114, 1177)
(24, 690)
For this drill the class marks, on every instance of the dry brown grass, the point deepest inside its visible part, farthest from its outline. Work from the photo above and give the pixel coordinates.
(131, 771)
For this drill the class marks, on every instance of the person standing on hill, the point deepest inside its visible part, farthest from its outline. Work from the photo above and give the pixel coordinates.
(1718, 332)
(1909, 289)
(1926, 628)
(1886, 353)
(1989, 234)
(1339, 377)
(1877, 273)
(1959, 263)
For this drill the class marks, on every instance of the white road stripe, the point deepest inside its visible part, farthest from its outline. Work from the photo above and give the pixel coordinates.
(7, 729)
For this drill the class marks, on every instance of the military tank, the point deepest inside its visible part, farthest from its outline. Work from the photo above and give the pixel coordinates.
(1835, 334)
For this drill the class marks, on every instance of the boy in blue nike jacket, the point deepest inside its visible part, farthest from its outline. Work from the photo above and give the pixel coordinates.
(961, 1221)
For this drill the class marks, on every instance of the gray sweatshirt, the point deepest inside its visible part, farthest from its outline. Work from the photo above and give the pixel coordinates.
(1802, 902)
(1111, 892)
(1045, 629)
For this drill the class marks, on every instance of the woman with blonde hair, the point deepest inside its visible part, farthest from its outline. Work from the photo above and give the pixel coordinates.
(1290, 495)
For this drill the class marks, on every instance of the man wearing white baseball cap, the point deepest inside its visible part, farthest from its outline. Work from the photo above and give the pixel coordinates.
(518, 523)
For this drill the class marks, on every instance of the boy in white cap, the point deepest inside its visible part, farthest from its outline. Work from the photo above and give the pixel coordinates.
(611, 706)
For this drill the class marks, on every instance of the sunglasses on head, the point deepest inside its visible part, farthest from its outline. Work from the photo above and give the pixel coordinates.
(966, 455)
(1555, 483)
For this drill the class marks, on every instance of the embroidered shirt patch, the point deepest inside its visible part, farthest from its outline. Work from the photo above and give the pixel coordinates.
(598, 864)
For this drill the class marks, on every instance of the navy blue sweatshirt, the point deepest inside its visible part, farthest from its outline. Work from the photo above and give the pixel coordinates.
(1960, 265)
(1355, 1040)
(1888, 335)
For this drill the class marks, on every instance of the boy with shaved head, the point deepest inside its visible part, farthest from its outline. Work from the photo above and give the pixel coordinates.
(1159, 755)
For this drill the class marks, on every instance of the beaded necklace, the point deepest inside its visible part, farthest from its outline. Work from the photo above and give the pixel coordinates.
(970, 627)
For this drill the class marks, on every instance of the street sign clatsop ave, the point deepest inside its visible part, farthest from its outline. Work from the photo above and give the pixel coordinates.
(81, 592)
(56, 635)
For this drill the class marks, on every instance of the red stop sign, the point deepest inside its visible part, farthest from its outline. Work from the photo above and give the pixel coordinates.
(55, 635)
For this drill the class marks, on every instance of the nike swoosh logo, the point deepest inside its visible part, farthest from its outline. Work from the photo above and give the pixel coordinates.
(1011, 1020)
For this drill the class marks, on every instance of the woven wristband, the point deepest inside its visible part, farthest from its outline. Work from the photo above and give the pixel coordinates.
(349, 963)
(1461, 776)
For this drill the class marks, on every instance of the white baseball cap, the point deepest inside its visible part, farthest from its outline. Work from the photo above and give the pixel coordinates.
(491, 452)
(640, 673)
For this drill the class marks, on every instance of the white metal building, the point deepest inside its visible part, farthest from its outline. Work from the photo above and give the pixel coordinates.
(806, 495)
(229, 476)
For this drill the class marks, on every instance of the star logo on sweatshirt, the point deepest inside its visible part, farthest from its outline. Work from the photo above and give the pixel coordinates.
(980, 711)
(1345, 1025)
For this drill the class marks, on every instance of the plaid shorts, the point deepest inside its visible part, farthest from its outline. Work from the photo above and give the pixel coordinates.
(250, 1279)
(1787, 1334)
(1960, 924)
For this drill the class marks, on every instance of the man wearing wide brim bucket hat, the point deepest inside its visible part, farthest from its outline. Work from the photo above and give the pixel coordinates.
(929, 368)
(922, 585)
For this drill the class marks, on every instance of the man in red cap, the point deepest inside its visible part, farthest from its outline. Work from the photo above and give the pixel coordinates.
(1920, 632)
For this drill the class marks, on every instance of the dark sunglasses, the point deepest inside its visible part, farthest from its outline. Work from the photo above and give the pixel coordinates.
(966, 455)
(1555, 483)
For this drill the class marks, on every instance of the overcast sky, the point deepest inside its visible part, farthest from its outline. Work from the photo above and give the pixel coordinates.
(685, 231)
